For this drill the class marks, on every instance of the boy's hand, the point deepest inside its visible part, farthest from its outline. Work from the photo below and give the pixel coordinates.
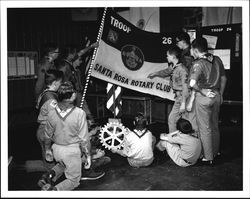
(182, 107)
(49, 155)
(87, 163)
(94, 131)
(209, 93)
(114, 150)
(164, 136)
(151, 75)
(94, 45)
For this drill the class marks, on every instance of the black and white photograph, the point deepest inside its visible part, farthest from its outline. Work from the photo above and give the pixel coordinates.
(114, 99)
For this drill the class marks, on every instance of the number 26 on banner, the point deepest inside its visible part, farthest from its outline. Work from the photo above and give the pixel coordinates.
(166, 40)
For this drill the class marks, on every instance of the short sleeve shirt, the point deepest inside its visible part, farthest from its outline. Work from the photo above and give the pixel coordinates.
(207, 73)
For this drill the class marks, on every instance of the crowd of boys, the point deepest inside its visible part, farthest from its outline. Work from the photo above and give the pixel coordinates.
(198, 80)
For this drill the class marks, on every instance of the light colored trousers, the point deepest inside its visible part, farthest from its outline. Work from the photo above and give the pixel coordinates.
(139, 163)
(203, 109)
(70, 157)
(175, 115)
(40, 134)
(215, 124)
(174, 152)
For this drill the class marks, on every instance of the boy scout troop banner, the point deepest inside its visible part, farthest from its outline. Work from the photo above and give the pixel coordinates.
(127, 55)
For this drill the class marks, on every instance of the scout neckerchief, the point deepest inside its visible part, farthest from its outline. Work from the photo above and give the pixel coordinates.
(140, 133)
(63, 109)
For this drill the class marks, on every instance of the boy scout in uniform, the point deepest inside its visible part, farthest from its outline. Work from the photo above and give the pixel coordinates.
(47, 101)
(182, 146)
(206, 79)
(179, 76)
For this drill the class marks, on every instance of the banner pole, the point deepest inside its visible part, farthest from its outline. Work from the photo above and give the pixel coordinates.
(93, 57)
(113, 89)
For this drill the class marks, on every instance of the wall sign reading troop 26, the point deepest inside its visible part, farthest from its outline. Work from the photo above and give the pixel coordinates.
(132, 57)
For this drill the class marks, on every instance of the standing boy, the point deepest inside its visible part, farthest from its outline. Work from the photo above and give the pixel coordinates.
(47, 101)
(179, 76)
(206, 79)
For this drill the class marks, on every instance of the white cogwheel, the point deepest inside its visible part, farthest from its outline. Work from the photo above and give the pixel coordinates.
(112, 135)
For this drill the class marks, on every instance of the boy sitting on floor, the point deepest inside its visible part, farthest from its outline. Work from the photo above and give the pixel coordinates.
(138, 144)
(183, 147)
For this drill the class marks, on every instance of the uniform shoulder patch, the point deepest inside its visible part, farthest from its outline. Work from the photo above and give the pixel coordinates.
(195, 66)
(53, 103)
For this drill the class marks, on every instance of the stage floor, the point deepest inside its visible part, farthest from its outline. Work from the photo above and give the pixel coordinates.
(163, 174)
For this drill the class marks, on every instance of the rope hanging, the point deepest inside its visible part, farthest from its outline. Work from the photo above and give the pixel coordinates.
(93, 58)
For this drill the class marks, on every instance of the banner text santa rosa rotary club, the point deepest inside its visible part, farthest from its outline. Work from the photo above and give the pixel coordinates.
(124, 80)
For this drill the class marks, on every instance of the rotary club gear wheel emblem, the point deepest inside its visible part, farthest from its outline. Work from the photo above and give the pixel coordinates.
(112, 135)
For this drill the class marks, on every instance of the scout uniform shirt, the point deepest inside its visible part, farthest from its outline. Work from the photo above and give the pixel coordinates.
(67, 127)
(47, 100)
(178, 77)
(179, 80)
(138, 144)
(217, 63)
(206, 73)
(190, 146)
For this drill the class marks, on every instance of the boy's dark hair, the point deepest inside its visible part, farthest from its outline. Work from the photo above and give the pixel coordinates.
(52, 75)
(183, 36)
(61, 64)
(68, 49)
(200, 44)
(140, 121)
(184, 126)
(49, 47)
(65, 91)
(175, 50)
